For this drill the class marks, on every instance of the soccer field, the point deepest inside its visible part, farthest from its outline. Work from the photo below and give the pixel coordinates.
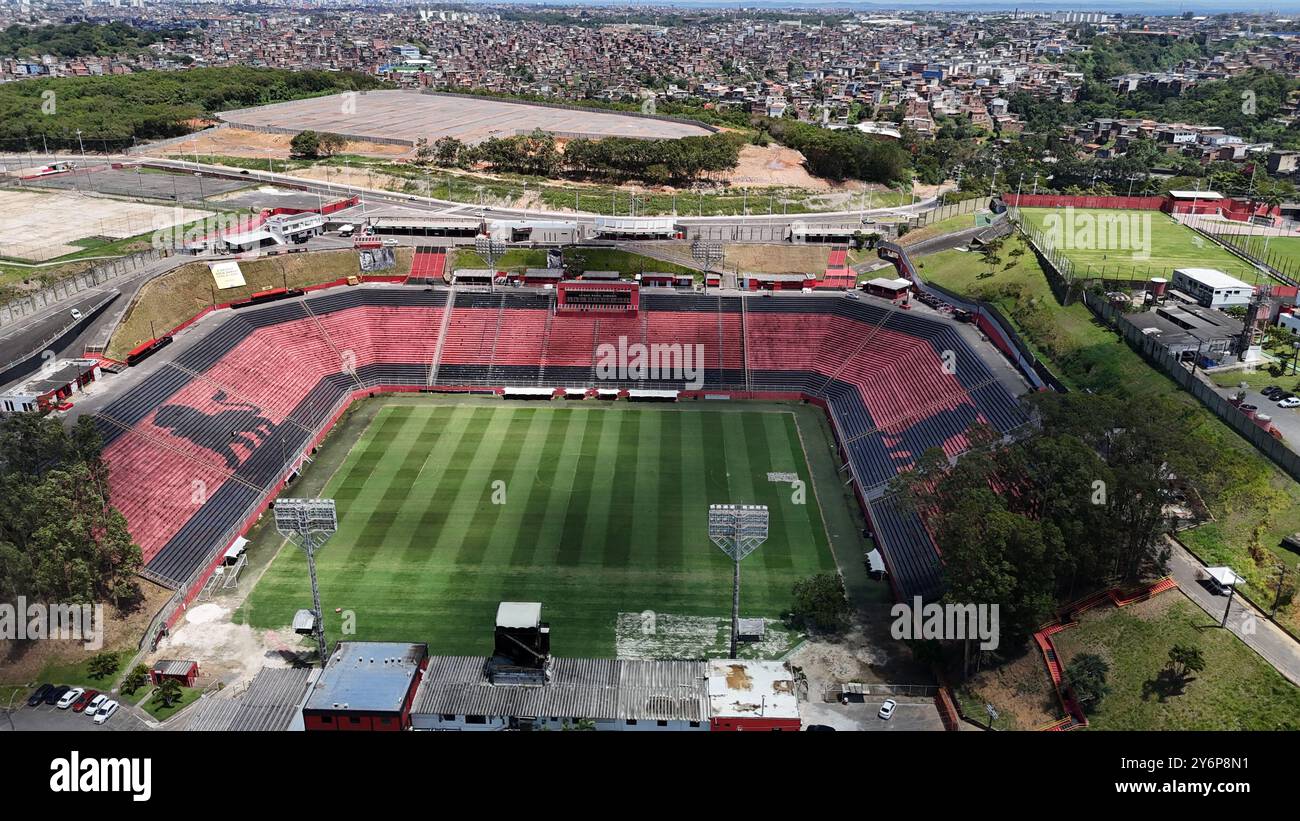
(599, 513)
(1171, 245)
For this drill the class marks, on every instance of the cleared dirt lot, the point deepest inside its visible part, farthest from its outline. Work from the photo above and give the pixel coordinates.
(239, 142)
(409, 115)
(44, 225)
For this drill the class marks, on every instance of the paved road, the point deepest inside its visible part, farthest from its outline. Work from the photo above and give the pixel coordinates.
(1277, 648)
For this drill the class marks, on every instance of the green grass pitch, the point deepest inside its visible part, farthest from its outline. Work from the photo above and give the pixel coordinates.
(1172, 245)
(605, 512)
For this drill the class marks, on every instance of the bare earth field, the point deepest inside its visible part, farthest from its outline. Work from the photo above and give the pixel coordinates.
(41, 226)
(239, 142)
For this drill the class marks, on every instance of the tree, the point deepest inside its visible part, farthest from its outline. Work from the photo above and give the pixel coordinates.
(103, 665)
(168, 693)
(1185, 659)
(1086, 674)
(135, 679)
(305, 145)
(819, 602)
(331, 144)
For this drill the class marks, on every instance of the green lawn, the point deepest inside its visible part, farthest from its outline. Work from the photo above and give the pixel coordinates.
(1283, 253)
(188, 696)
(1238, 690)
(1240, 485)
(603, 512)
(1140, 251)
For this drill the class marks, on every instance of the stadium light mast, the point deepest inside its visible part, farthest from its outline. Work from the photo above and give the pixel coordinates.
(490, 249)
(706, 253)
(309, 523)
(737, 530)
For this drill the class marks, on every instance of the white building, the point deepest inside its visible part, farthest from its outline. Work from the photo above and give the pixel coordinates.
(1212, 287)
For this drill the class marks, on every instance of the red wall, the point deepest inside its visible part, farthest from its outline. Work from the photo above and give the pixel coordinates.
(1067, 200)
(755, 725)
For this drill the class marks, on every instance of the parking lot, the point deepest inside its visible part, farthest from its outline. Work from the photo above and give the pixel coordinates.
(47, 717)
(912, 714)
(1286, 420)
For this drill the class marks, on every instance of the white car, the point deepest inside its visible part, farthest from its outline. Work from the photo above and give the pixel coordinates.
(76, 315)
(105, 712)
(95, 703)
(70, 697)
(887, 709)
(1293, 402)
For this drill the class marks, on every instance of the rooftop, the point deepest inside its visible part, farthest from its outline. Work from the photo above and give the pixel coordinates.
(367, 676)
(743, 688)
(1213, 278)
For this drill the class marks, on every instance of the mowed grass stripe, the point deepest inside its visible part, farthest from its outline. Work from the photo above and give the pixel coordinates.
(624, 484)
(519, 485)
(568, 481)
(412, 446)
(435, 490)
(538, 492)
(576, 505)
(472, 477)
(510, 440)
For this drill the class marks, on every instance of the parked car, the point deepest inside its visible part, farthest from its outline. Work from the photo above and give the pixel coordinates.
(1290, 402)
(80, 704)
(39, 696)
(53, 696)
(105, 712)
(70, 698)
(1271, 389)
(95, 703)
(887, 709)
(819, 728)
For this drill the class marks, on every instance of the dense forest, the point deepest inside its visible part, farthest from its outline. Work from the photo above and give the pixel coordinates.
(112, 112)
(60, 539)
(79, 39)
(841, 154)
(615, 159)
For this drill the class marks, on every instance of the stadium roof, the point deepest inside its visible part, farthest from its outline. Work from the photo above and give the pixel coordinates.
(597, 689)
(371, 676)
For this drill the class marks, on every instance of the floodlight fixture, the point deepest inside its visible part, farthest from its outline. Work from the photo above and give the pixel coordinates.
(737, 530)
(309, 523)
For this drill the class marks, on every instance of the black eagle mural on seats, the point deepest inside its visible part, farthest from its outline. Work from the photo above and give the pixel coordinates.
(237, 423)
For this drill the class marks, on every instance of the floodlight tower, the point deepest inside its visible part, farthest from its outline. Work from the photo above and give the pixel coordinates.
(737, 530)
(706, 253)
(309, 523)
(490, 249)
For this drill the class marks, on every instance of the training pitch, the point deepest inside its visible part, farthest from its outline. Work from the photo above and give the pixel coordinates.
(600, 513)
(1150, 249)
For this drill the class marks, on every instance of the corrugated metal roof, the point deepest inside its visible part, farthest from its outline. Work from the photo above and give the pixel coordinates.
(599, 689)
(270, 704)
(173, 667)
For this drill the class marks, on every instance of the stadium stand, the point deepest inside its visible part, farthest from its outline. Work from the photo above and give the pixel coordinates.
(239, 408)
